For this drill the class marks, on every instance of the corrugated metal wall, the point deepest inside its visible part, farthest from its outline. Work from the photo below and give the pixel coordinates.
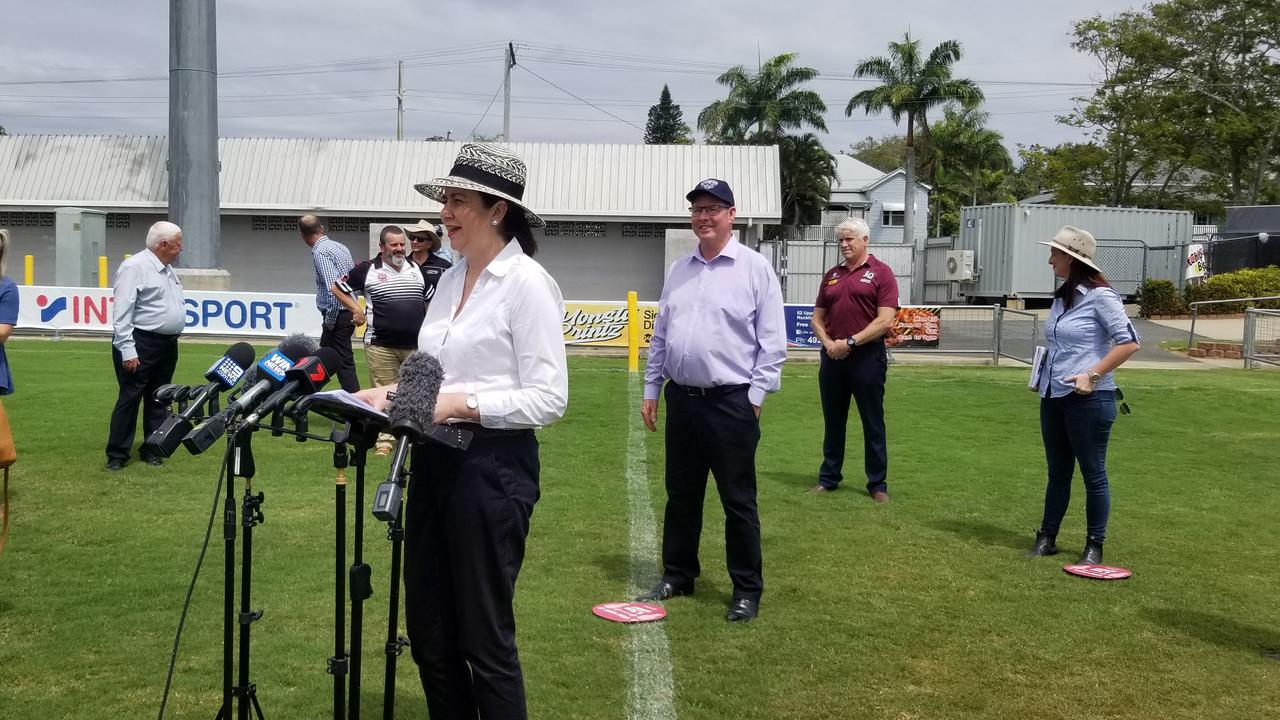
(1004, 239)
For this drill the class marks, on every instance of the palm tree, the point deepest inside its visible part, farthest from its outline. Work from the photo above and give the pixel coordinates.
(807, 171)
(763, 105)
(962, 148)
(912, 85)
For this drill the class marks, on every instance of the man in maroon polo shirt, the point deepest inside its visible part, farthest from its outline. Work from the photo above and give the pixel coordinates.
(856, 305)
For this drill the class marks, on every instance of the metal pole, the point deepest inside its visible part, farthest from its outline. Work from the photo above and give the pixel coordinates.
(193, 130)
(1191, 338)
(1250, 329)
(508, 62)
(995, 334)
(400, 102)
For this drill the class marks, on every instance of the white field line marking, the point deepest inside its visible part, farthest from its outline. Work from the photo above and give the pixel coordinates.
(651, 691)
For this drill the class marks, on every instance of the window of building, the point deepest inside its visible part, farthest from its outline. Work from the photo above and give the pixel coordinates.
(644, 230)
(892, 218)
(574, 229)
(26, 219)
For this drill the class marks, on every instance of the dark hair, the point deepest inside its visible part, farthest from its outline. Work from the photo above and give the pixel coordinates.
(390, 230)
(514, 224)
(310, 225)
(1079, 274)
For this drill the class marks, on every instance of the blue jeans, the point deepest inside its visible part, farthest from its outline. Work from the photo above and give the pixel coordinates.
(1075, 430)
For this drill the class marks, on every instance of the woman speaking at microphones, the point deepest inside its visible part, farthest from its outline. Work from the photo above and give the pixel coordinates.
(495, 326)
(1088, 336)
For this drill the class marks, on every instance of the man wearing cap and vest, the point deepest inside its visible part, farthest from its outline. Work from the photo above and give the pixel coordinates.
(857, 302)
(718, 345)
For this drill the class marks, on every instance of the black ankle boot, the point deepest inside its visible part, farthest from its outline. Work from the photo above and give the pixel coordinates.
(1044, 545)
(1092, 554)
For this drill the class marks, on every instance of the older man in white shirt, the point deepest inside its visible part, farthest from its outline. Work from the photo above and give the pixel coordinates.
(149, 316)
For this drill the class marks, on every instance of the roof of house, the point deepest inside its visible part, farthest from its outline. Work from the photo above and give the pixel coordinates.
(275, 175)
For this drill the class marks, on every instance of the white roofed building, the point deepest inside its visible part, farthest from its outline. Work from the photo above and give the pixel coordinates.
(608, 207)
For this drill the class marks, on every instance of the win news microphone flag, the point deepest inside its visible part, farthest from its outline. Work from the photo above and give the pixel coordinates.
(412, 414)
(265, 377)
(222, 375)
(306, 376)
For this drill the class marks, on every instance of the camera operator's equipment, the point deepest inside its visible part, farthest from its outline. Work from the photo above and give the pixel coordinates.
(222, 376)
(265, 377)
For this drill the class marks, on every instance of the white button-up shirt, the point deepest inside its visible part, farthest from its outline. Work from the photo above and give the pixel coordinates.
(507, 345)
(148, 296)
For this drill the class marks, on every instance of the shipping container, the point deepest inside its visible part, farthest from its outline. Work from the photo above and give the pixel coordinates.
(1133, 244)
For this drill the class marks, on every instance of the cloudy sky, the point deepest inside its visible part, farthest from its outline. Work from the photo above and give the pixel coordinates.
(328, 69)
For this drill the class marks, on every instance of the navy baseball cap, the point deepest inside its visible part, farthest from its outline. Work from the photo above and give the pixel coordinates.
(717, 189)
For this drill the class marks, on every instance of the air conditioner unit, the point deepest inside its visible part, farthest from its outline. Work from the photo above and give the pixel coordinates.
(960, 265)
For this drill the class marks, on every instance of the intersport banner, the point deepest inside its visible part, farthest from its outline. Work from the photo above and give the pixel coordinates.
(208, 313)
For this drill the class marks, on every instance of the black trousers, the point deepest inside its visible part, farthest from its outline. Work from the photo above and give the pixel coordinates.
(718, 433)
(338, 337)
(466, 522)
(861, 374)
(157, 357)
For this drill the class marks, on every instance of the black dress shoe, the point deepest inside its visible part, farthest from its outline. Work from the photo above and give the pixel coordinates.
(1092, 554)
(665, 591)
(114, 465)
(743, 610)
(1044, 545)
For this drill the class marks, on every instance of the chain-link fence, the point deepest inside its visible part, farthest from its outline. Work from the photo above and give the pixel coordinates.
(1017, 333)
(1261, 337)
(985, 330)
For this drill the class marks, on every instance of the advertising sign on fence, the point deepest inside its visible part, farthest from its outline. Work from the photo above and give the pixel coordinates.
(915, 326)
(212, 313)
(604, 324)
(1196, 267)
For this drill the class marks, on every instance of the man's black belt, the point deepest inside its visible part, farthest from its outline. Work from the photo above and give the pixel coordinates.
(714, 391)
(153, 333)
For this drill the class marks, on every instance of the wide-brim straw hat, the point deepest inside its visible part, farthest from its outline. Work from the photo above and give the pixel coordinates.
(1077, 243)
(422, 226)
(486, 168)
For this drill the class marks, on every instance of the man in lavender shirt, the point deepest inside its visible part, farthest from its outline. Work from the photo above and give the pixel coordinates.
(719, 344)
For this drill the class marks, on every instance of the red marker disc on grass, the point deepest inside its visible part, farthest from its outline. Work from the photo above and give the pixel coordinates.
(629, 612)
(1098, 572)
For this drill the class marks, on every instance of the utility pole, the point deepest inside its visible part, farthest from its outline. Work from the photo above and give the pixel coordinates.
(400, 103)
(508, 61)
(193, 130)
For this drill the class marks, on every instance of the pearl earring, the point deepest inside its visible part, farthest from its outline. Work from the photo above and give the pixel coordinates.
(493, 222)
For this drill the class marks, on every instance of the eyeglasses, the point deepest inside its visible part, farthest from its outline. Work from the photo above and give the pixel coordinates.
(711, 210)
(1124, 406)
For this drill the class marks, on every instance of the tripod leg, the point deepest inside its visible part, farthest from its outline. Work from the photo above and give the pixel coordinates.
(395, 644)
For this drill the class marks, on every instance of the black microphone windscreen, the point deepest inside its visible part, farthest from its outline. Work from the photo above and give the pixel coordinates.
(420, 379)
(242, 354)
(297, 346)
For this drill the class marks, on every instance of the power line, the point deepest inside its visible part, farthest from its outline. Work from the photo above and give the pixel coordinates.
(486, 110)
(566, 92)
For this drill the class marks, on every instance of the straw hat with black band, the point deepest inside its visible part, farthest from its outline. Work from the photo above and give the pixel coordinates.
(486, 168)
(1077, 243)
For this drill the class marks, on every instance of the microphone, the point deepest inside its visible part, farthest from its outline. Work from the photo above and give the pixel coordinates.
(264, 377)
(412, 413)
(222, 375)
(305, 377)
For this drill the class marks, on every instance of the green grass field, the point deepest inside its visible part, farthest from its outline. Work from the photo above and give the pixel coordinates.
(923, 608)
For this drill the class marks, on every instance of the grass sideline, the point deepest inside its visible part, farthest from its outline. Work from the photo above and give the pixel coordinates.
(923, 608)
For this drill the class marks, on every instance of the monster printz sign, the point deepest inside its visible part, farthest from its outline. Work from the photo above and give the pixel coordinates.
(604, 324)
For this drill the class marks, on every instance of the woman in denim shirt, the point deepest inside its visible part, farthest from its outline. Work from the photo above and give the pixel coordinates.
(1088, 337)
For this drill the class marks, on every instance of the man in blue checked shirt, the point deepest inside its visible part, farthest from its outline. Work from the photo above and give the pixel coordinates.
(332, 260)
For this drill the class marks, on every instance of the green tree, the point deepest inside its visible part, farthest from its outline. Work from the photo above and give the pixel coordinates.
(1189, 98)
(807, 171)
(885, 154)
(666, 125)
(913, 84)
(764, 105)
(967, 162)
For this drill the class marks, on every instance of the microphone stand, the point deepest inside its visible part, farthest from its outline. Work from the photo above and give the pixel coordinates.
(396, 643)
(361, 438)
(239, 464)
